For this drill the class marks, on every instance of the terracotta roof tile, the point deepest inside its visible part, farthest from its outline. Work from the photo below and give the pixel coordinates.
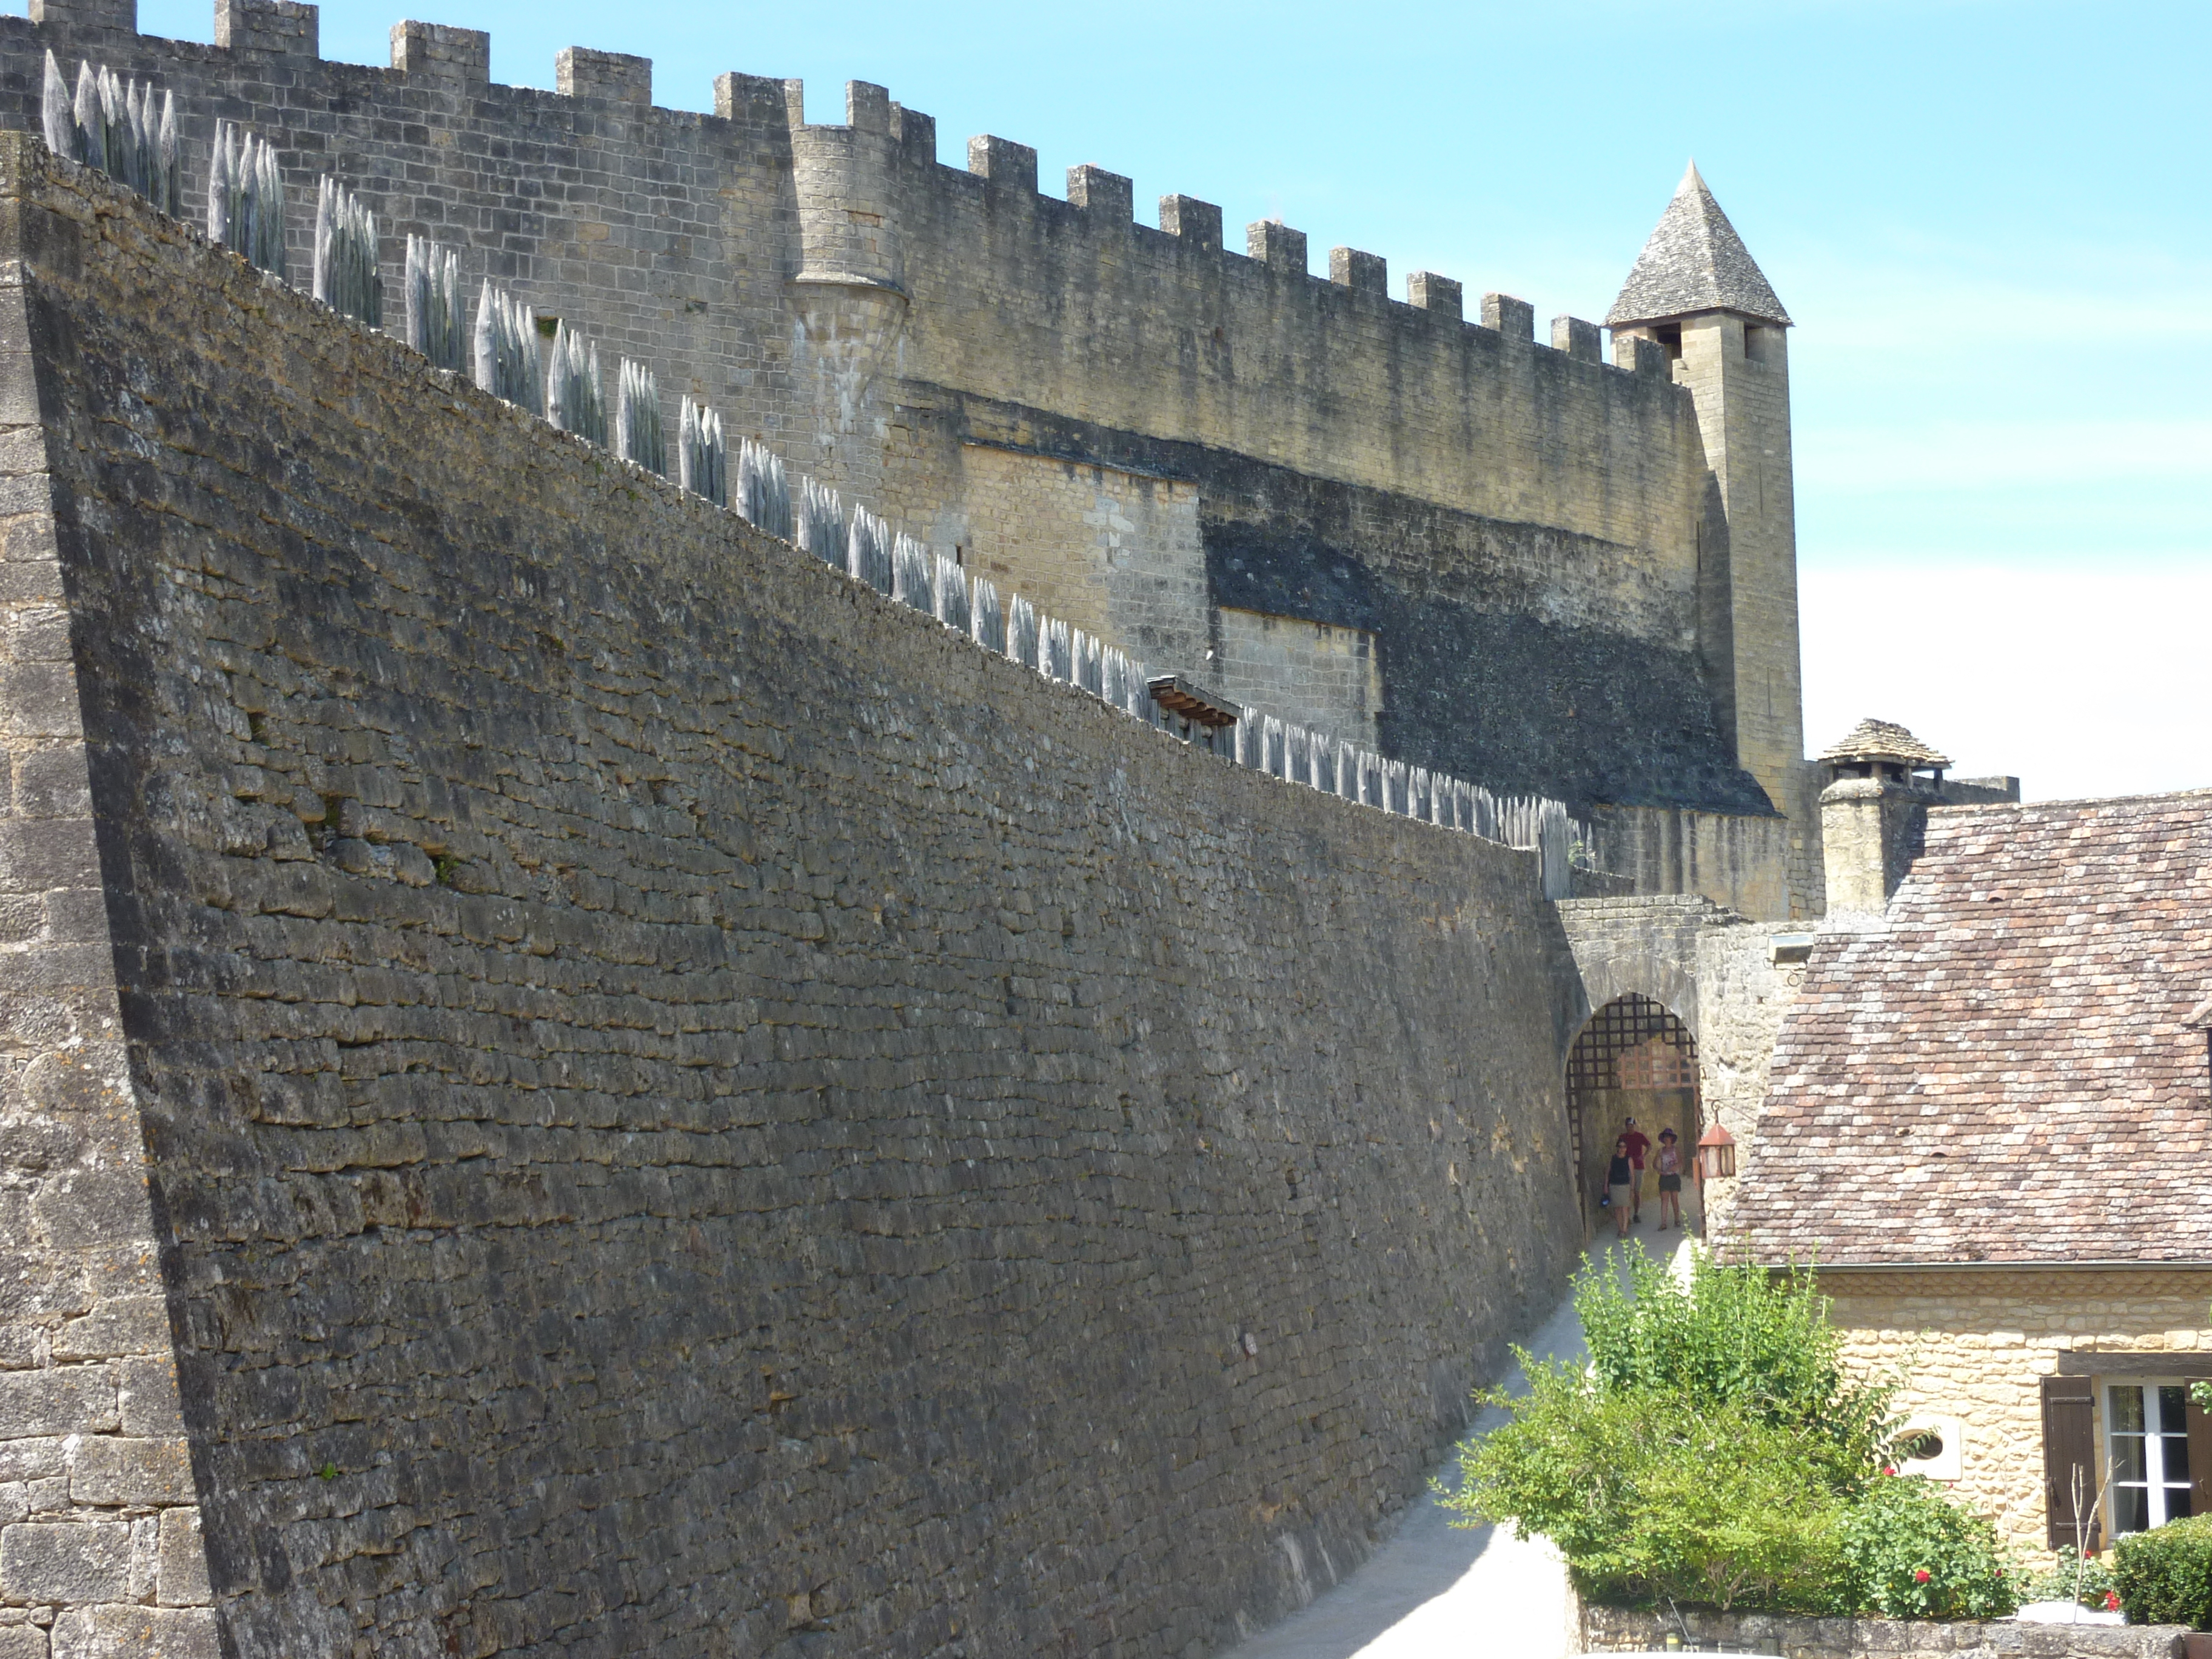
(2007, 1071)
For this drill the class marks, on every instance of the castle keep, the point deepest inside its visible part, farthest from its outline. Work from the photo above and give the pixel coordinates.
(577, 1078)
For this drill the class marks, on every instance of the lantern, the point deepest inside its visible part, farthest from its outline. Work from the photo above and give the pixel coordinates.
(1715, 1154)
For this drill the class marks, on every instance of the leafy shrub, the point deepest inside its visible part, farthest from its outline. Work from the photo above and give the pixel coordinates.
(1713, 1450)
(2069, 1578)
(1647, 1495)
(1910, 1552)
(1739, 1336)
(2165, 1575)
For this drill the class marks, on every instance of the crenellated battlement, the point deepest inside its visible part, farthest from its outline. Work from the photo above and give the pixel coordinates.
(942, 341)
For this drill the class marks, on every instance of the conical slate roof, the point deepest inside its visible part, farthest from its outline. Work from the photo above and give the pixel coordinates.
(1694, 262)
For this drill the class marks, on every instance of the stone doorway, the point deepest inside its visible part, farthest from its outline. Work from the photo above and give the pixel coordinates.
(1633, 1059)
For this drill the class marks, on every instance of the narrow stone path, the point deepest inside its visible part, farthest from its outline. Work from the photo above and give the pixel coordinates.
(1432, 1592)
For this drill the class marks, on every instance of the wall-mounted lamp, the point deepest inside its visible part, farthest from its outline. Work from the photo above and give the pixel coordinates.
(1715, 1154)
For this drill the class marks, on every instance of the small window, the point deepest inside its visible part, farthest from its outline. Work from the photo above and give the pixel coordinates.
(2147, 1449)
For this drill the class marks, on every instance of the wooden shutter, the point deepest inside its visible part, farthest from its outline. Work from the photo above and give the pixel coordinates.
(2200, 1458)
(2069, 1443)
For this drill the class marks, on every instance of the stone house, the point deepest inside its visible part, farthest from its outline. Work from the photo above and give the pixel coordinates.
(1988, 1123)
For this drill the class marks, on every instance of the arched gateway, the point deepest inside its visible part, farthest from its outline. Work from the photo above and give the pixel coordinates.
(1632, 1058)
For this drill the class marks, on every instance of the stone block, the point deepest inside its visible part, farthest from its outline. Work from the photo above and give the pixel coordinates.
(868, 108)
(580, 72)
(1580, 340)
(1639, 355)
(86, 1208)
(117, 1326)
(136, 1632)
(273, 28)
(184, 1568)
(1514, 319)
(64, 1564)
(1003, 163)
(112, 1470)
(146, 1395)
(433, 51)
(1109, 195)
(1274, 244)
(1194, 221)
(1429, 292)
(66, 1400)
(51, 783)
(1348, 267)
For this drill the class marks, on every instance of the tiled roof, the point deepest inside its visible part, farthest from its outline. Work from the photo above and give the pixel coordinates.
(1694, 262)
(1873, 739)
(2005, 1072)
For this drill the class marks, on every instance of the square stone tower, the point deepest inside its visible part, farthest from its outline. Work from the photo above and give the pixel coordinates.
(1697, 293)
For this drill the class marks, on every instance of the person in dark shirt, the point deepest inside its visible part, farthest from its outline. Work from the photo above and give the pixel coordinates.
(1638, 1145)
(1619, 1181)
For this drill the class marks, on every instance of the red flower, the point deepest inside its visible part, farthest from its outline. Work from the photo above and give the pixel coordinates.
(1887, 1470)
(1920, 1574)
(2112, 1601)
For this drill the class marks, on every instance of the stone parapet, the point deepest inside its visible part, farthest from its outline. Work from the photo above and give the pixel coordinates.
(1640, 1630)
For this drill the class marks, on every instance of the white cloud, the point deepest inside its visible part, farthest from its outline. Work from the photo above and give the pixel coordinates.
(1951, 455)
(2080, 681)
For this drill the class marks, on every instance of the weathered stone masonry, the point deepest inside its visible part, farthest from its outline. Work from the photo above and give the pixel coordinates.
(684, 1108)
(1533, 537)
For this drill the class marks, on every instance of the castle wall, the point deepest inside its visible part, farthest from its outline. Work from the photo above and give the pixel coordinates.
(1323, 678)
(692, 1108)
(1740, 862)
(1521, 529)
(1114, 553)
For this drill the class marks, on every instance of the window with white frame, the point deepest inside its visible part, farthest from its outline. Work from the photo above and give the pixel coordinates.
(2147, 1449)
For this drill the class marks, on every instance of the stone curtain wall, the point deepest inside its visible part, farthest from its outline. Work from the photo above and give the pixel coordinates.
(1521, 525)
(1975, 1346)
(1327, 679)
(1115, 554)
(699, 1112)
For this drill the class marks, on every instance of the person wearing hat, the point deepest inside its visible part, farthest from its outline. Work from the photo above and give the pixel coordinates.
(1667, 1163)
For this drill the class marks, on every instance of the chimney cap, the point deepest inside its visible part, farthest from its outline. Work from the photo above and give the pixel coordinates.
(1884, 740)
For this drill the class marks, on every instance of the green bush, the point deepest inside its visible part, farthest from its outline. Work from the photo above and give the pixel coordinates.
(1715, 1451)
(2070, 1577)
(1908, 1551)
(1648, 1496)
(2165, 1575)
(1739, 1336)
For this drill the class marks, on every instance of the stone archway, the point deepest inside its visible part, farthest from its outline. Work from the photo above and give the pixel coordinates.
(1633, 1058)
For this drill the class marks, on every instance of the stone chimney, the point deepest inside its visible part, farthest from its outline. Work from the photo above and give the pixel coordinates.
(1880, 781)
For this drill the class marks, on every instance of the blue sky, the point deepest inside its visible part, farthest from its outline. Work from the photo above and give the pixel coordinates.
(1989, 222)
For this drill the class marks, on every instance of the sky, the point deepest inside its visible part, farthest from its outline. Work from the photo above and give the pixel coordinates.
(1988, 219)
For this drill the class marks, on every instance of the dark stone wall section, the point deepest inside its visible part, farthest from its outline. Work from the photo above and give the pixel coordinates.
(1506, 657)
(699, 1112)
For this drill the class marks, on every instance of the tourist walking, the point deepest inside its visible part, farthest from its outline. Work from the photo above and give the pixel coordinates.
(1666, 1164)
(1639, 1145)
(1619, 1181)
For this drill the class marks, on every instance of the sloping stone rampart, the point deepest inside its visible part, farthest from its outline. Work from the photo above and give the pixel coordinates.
(691, 1109)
